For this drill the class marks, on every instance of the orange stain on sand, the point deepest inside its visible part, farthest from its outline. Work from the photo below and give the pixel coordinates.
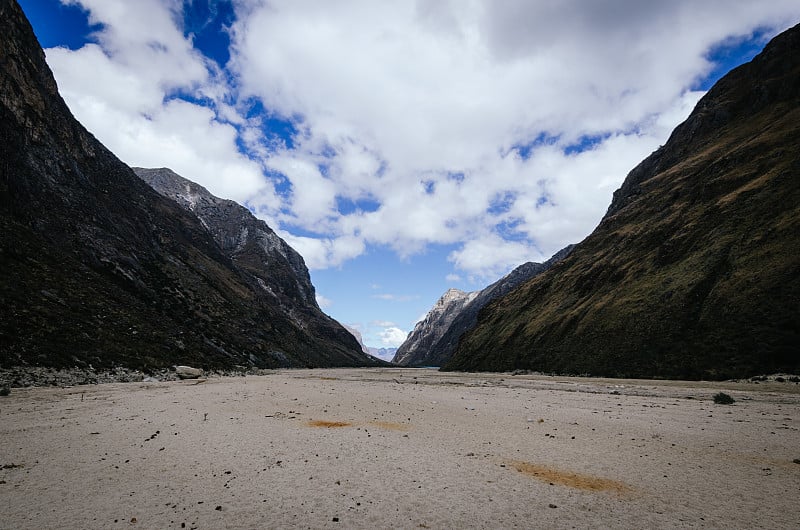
(328, 424)
(570, 479)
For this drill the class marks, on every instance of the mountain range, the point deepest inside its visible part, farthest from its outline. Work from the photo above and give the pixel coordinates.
(694, 272)
(101, 270)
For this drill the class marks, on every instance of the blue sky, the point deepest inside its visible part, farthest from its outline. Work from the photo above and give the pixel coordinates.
(402, 148)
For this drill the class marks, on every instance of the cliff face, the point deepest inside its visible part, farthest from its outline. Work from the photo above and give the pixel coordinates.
(430, 329)
(99, 269)
(252, 245)
(435, 338)
(695, 269)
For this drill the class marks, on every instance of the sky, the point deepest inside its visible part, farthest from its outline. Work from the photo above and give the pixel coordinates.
(402, 147)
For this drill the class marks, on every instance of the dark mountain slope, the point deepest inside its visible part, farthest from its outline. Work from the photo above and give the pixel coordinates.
(433, 341)
(100, 269)
(695, 269)
(273, 268)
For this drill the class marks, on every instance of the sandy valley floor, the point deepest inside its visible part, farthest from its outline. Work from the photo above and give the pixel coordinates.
(400, 448)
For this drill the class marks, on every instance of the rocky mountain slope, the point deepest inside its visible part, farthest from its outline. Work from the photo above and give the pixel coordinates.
(100, 270)
(694, 272)
(431, 328)
(252, 245)
(434, 339)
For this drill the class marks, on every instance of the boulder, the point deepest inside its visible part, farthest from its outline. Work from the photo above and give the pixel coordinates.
(187, 372)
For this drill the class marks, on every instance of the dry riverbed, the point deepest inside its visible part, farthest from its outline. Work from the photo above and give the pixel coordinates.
(400, 448)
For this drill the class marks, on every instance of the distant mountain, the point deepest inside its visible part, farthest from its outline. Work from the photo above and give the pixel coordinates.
(387, 354)
(694, 272)
(357, 334)
(383, 355)
(434, 339)
(100, 270)
(432, 327)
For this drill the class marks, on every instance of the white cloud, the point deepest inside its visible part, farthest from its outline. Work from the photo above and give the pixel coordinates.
(326, 252)
(122, 89)
(392, 337)
(322, 302)
(453, 278)
(395, 297)
(398, 98)
(417, 113)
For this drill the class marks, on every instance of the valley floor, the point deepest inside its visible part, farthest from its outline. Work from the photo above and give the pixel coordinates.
(400, 448)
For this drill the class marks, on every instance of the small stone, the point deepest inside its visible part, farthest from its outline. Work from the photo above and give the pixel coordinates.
(335, 519)
(796, 460)
(218, 508)
(552, 506)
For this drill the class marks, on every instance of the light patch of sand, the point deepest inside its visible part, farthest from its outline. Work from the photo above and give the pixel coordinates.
(400, 448)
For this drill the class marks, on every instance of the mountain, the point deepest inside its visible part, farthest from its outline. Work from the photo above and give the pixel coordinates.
(434, 339)
(100, 270)
(357, 334)
(431, 328)
(386, 354)
(250, 244)
(694, 272)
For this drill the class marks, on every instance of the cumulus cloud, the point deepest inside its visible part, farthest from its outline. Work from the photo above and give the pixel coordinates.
(392, 337)
(499, 129)
(126, 89)
(460, 121)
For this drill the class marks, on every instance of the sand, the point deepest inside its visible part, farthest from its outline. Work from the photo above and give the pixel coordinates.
(400, 448)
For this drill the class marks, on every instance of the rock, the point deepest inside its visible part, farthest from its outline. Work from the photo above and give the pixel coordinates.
(187, 372)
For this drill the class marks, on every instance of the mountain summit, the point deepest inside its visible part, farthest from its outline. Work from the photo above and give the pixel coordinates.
(694, 272)
(101, 270)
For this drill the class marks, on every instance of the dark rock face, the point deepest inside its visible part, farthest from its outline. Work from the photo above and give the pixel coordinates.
(433, 340)
(275, 267)
(695, 270)
(99, 269)
(414, 350)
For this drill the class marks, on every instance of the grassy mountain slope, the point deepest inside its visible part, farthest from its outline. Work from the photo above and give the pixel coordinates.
(694, 272)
